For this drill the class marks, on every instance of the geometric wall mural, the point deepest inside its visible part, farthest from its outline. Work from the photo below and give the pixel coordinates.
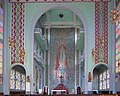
(101, 32)
(62, 57)
(16, 41)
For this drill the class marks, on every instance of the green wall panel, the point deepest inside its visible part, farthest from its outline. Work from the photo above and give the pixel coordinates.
(87, 10)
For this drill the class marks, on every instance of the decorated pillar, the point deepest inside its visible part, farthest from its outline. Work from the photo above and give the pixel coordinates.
(16, 38)
(115, 19)
(101, 32)
(16, 41)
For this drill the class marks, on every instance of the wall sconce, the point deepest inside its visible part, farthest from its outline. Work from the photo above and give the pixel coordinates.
(11, 42)
(114, 15)
(93, 52)
(22, 53)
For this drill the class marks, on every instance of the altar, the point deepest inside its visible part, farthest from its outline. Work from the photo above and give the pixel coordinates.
(60, 89)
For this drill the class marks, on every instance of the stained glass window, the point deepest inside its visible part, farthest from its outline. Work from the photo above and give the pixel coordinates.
(1, 39)
(12, 79)
(104, 80)
(17, 79)
(107, 81)
(118, 46)
(23, 82)
(100, 82)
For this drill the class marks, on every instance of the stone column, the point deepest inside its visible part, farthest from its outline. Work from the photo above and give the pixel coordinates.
(46, 66)
(77, 61)
(48, 62)
(113, 56)
(6, 70)
(32, 64)
(113, 65)
(75, 58)
(31, 71)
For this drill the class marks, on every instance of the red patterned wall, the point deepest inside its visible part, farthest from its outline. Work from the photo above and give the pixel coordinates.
(101, 32)
(17, 33)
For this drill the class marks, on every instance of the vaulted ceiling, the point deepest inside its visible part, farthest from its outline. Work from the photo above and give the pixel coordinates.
(60, 17)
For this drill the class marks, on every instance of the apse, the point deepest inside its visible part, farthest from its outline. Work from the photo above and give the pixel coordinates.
(64, 35)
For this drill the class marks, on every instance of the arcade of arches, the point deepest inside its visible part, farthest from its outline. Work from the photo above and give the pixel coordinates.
(59, 46)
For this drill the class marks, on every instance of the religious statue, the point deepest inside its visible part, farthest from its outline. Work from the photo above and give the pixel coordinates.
(89, 77)
(28, 78)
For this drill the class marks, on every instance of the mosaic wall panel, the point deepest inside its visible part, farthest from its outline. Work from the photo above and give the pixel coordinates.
(17, 33)
(101, 32)
(44, 1)
(62, 58)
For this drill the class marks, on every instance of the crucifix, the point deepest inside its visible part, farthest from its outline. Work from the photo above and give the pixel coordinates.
(61, 77)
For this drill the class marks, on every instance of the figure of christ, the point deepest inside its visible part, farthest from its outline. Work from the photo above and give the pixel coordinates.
(61, 63)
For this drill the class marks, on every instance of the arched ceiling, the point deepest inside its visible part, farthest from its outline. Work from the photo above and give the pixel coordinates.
(60, 17)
